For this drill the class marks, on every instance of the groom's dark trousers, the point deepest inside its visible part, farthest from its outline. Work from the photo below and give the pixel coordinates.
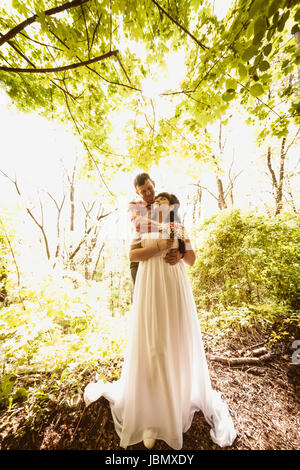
(133, 269)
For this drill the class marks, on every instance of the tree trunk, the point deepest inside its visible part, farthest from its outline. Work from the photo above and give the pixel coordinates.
(221, 196)
(97, 261)
(197, 203)
(221, 199)
(281, 176)
(72, 207)
(277, 183)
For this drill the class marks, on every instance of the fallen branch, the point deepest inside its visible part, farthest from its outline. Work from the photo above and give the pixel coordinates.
(230, 361)
(259, 351)
(253, 350)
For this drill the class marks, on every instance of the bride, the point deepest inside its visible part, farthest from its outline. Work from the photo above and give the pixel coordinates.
(165, 376)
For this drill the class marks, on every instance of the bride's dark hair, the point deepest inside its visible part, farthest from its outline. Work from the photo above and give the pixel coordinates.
(174, 217)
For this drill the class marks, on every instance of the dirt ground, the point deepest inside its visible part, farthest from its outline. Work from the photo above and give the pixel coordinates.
(263, 401)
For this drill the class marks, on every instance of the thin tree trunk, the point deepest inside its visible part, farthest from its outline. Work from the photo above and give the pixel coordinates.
(72, 206)
(97, 261)
(221, 196)
(221, 199)
(281, 177)
(15, 263)
(269, 155)
(59, 208)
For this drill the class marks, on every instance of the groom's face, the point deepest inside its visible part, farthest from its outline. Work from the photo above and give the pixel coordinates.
(146, 191)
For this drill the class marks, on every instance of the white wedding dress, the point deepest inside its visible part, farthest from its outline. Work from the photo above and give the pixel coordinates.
(165, 377)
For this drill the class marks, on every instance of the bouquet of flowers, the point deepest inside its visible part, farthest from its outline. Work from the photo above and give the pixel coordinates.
(172, 230)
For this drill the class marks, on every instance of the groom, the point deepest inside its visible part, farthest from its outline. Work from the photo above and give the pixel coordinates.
(145, 188)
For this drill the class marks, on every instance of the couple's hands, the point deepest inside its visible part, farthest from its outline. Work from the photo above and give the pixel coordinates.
(164, 243)
(173, 255)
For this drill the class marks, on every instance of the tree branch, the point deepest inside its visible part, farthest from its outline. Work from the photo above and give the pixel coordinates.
(203, 187)
(41, 226)
(52, 11)
(94, 32)
(19, 52)
(87, 32)
(93, 70)
(62, 68)
(180, 26)
(59, 208)
(86, 234)
(86, 146)
(33, 65)
(41, 43)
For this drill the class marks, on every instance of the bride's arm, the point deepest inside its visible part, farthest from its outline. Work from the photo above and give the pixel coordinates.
(174, 255)
(190, 256)
(137, 253)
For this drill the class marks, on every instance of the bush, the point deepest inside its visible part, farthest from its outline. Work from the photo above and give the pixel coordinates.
(248, 259)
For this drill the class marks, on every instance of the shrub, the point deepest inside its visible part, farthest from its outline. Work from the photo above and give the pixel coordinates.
(248, 259)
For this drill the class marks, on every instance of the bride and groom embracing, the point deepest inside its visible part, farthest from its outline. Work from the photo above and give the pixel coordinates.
(165, 377)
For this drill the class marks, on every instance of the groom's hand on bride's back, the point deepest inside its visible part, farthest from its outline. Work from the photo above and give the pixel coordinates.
(173, 256)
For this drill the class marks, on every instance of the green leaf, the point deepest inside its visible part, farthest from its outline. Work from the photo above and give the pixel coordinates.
(228, 95)
(257, 60)
(231, 84)
(275, 5)
(249, 53)
(267, 49)
(297, 15)
(295, 28)
(287, 91)
(20, 393)
(6, 385)
(195, 4)
(264, 65)
(270, 33)
(256, 90)
(259, 25)
(258, 37)
(276, 18)
(282, 21)
(242, 70)
(256, 5)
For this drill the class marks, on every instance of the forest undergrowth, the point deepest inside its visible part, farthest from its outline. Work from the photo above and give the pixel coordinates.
(43, 407)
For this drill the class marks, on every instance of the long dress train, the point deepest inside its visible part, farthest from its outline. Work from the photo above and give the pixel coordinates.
(165, 376)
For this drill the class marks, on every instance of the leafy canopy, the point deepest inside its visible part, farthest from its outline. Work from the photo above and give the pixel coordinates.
(79, 61)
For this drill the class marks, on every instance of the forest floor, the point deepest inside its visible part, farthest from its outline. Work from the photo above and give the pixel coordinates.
(263, 400)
